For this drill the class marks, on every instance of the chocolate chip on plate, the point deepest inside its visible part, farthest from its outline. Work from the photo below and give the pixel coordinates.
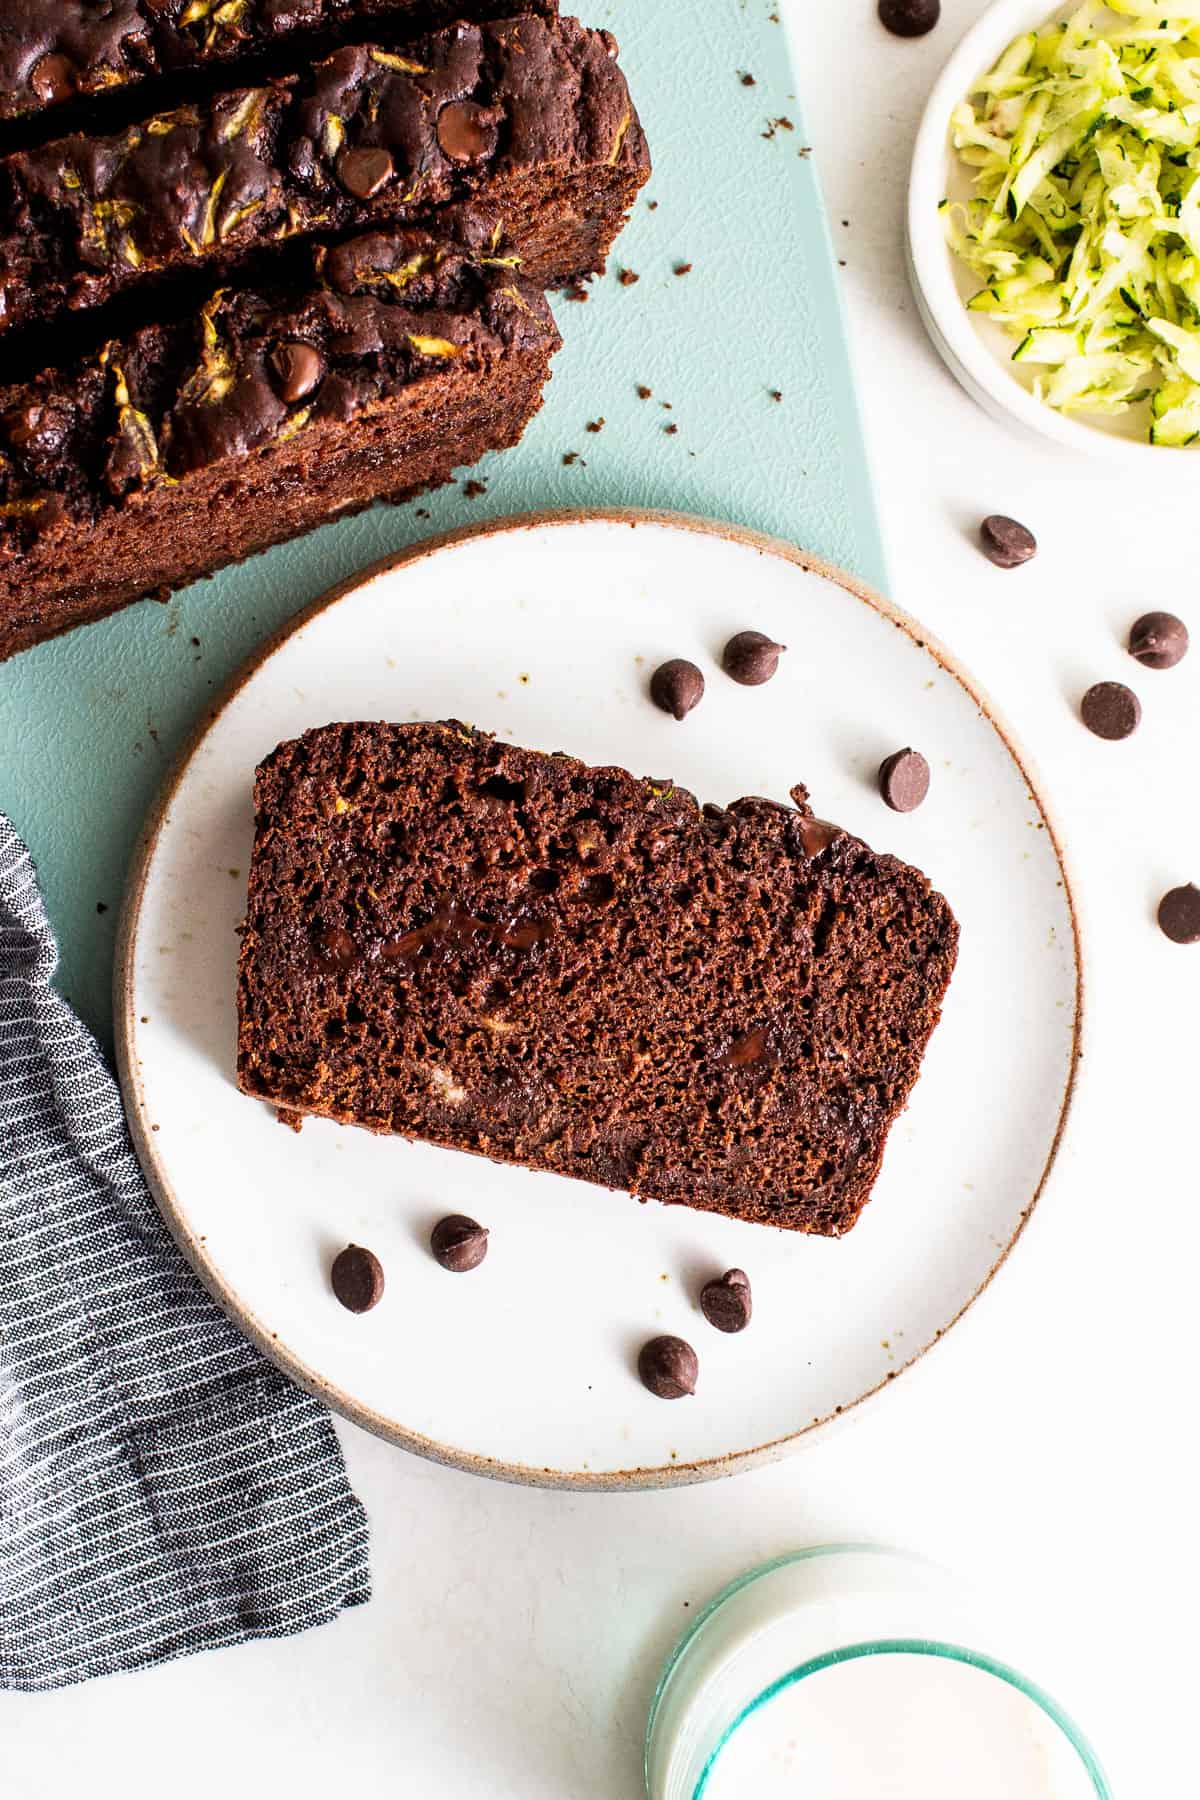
(910, 18)
(668, 1367)
(1005, 542)
(1179, 915)
(357, 1278)
(1158, 640)
(364, 172)
(676, 687)
(750, 658)
(458, 1243)
(904, 780)
(298, 370)
(725, 1301)
(1111, 710)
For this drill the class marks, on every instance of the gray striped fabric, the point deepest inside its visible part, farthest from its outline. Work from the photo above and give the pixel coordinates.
(163, 1489)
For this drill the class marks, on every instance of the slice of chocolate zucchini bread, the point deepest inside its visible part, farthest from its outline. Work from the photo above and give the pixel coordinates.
(528, 118)
(53, 52)
(500, 951)
(188, 446)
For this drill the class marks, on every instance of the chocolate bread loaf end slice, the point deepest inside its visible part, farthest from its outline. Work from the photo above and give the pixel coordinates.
(510, 953)
(188, 446)
(525, 122)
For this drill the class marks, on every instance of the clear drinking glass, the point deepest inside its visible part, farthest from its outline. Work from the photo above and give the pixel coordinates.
(852, 1672)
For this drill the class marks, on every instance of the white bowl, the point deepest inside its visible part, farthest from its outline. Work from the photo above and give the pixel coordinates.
(977, 353)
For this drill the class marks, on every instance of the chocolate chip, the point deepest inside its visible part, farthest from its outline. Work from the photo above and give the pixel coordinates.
(726, 1301)
(1158, 640)
(53, 79)
(910, 18)
(676, 687)
(816, 835)
(1179, 915)
(668, 1367)
(1111, 710)
(750, 658)
(523, 936)
(458, 1243)
(36, 429)
(298, 370)
(302, 158)
(904, 780)
(466, 131)
(745, 1050)
(1006, 543)
(357, 1278)
(364, 172)
(335, 950)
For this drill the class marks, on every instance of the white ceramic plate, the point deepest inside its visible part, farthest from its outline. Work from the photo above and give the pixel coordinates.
(978, 353)
(545, 631)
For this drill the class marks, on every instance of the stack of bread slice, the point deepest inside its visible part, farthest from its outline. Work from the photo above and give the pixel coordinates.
(263, 262)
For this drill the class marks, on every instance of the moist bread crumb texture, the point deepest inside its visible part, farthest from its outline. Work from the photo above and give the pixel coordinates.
(505, 952)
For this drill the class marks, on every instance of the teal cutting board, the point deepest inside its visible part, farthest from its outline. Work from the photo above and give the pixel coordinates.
(89, 724)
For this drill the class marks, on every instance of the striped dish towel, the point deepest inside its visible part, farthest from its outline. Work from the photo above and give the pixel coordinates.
(163, 1489)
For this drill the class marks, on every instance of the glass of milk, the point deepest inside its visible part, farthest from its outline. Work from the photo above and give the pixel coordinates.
(857, 1673)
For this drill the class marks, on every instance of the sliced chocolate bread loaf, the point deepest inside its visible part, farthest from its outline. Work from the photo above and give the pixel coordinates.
(510, 953)
(528, 119)
(188, 446)
(53, 52)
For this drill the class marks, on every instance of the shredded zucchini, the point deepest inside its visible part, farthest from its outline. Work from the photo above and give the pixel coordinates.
(1084, 147)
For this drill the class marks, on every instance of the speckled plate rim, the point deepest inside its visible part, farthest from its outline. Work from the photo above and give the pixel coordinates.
(124, 1013)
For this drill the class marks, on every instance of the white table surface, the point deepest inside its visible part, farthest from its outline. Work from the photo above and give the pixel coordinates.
(512, 1644)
